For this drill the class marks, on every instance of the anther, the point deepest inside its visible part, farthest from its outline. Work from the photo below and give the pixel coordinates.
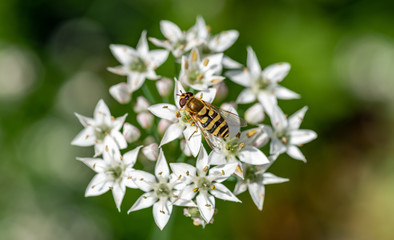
(238, 135)
(239, 169)
(206, 61)
(194, 56)
(241, 145)
(186, 65)
(180, 176)
(208, 205)
(251, 133)
(165, 106)
(87, 136)
(223, 172)
(284, 139)
(110, 188)
(112, 118)
(94, 166)
(106, 148)
(187, 173)
(213, 187)
(162, 211)
(141, 179)
(160, 173)
(205, 168)
(195, 190)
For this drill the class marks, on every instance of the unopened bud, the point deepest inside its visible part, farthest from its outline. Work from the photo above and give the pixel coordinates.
(261, 139)
(255, 114)
(120, 92)
(131, 133)
(141, 105)
(163, 125)
(151, 152)
(165, 87)
(185, 148)
(145, 119)
(221, 91)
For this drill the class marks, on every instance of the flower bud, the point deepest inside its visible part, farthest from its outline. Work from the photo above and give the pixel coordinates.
(121, 93)
(185, 148)
(261, 139)
(141, 105)
(145, 119)
(255, 114)
(131, 133)
(229, 106)
(221, 91)
(151, 152)
(163, 125)
(165, 87)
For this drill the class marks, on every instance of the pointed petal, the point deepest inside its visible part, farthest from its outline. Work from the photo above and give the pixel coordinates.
(130, 157)
(146, 200)
(202, 161)
(165, 111)
(85, 121)
(161, 169)
(85, 138)
(121, 93)
(143, 180)
(131, 133)
(252, 155)
(295, 153)
(277, 146)
(252, 62)
(223, 193)
(301, 136)
(111, 151)
(222, 172)
(240, 187)
(120, 70)
(255, 114)
(268, 99)
(295, 120)
(123, 53)
(142, 46)
(270, 178)
(98, 185)
(276, 72)
(216, 158)
(188, 192)
(278, 119)
(246, 96)
(151, 151)
(118, 193)
(96, 164)
(284, 93)
(212, 61)
(257, 192)
(170, 30)
(224, 40)
(120, 139)
(229, 63)
(161, 213)
(173, 132)
(183, 170)
(135, 81)
(207, 95)
(206, 205)
(102, 115)
(160, 43)
(241, 77)
(193, 139)
(158, 57)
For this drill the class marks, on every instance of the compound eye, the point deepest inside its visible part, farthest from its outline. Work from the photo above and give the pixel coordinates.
(182, 102)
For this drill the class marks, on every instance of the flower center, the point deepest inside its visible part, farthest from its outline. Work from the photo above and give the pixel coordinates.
(203, 184)
(163, 190)
(138, 65)
(180, 44)
(250, 174)
(195, 75)
(233, 147)
(101, 132)
(283, 136)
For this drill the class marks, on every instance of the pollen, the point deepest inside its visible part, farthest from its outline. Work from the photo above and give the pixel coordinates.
(213, 187)
(160, 173)
(180, 176)
(205, 168)
(195, 190)
(194, 56)
(87, 136)
(186, 65)
(284, 139)
(165, 106)
(187, 173)
(239, 169)
(206, 61)
(106, 148)
(223, 172)
(251, 133)
(241, 145)
(216, 80)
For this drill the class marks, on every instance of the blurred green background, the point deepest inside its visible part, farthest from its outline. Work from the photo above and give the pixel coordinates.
(53, 59)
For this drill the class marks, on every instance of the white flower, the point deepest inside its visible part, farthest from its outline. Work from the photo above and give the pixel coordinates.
(164, 87)
(111, 172)
(205, 183)
(255, 114)
(286, 135)
(137, 64)
(262, 84)
(162, 190)
(101, 126)
(179, 122)
(121, 92)
(200, 74)
(178, 42)
(151, 151)
(237, 148)
(131, 133)
(255, 180)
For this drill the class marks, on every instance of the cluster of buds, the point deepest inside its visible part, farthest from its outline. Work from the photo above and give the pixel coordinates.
(236, 157)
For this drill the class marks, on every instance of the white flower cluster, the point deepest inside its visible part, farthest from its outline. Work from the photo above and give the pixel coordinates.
(237, 157)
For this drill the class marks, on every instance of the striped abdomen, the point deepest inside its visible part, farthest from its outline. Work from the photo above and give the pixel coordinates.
(213, 122)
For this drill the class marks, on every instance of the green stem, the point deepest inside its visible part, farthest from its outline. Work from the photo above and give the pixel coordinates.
(148, 93)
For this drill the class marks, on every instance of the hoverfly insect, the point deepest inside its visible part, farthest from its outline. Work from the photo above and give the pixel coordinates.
(211, 120)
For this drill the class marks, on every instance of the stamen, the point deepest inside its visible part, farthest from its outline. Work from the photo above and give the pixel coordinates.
(261, 195)
(194, 55)
(251, 133)
(112, 118)
(129, 177)
(241, 145)
(238, 135)
(206, 61)
(182, 47)
(141, 179)
(186, 65)
(87, 136)
(239, 169)
(223, 172)
(162, 211)
(284, 139)
(246, 69)
(213, 187)
(93, 186)
(165, 106)
(180, 176)
(208, 205)
(205, 168)
(187, 173)
(195, 190)
(110, 188)
(94, 166)
(121, 158)
(227, 148)
(175, 196)
(106, 133)
(145, 197)
(106, 148)
(160, 173)
(199, 77)
(216, 80)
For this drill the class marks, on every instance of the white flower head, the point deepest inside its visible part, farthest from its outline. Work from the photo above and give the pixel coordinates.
(178, 42)
(286, 135)
(262, 84)
(255, 180)
(137, 64)
(131, 133)
(180, 125)
(162, 190)
(103, 125)
(205, 184)
(201, 74)
(111, 172)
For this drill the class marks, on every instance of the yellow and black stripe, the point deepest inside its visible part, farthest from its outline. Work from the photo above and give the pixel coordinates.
(213, 122)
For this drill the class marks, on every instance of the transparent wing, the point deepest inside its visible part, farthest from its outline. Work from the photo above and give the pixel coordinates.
(231, 118)
(213, 141)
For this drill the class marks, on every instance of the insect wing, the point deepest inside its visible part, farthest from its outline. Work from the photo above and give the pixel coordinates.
(232, 119)
(213, 141)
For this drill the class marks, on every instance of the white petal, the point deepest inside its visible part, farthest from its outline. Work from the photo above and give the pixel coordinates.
(128, 181)
(158, 57)
(270, 178)
(118, 193)
(141, 104)
(146, 200)
(252, 155)
(118, 122)
(241, 77)
(188, 192)
(170, 30)
(173, 132)
(257, 192)
(143, 179)
(120, 70)
(135, 81)
(202, 161)
(119, 138)
(295, 153)
(130, 157)
(123, 53)
(295, 120)
(276, 72)
(284, 93)
(229, 63)
(223, 193)
(301, 136)
(98, 185)
(185, 148)
(206, 205)
(277, 146)
(240, 187)
(85, 121)
(278, 119)
(193, 139)
(102, 115)
(85, 138)
(255, 114)
(98, 148)
(213, 61)
(222, 172)
(207, 95)
(120, 92)
(131, 133)
(161, 168)
(160, 43)
(165, 111)
(151, 151)
(224, 40)
(96, 164)
(246, 96)
(216, 158)
(253, 63)
(111, 150)
(145, 119)
(161, 213)
(268, 99)
(142, 46)
(183, 169)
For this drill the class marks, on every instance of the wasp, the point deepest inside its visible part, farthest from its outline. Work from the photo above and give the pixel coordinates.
(211, 120)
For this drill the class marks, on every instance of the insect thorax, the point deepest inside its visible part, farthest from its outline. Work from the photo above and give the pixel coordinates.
(195, 105)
